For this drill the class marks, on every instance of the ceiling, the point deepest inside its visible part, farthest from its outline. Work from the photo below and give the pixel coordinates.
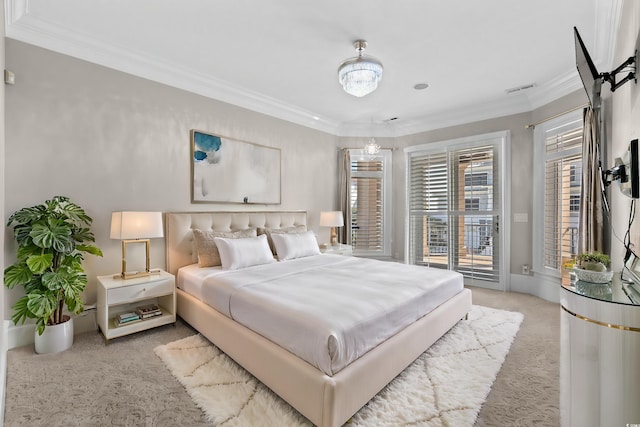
(281, 57)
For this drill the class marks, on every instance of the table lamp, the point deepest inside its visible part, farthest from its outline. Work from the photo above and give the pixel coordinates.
(135, 227)
(332, 219)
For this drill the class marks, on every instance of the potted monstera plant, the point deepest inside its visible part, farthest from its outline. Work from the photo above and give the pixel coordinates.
(52, 240)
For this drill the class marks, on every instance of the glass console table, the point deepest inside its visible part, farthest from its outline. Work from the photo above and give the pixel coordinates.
(600, 352)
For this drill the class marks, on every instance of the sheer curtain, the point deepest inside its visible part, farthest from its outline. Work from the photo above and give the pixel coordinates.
(344, 173)
(590, 237)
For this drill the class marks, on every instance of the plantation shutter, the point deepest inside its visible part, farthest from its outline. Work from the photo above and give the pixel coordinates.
(367, 204)
(428, 205)
(454, 203)
(474, 211)
(563, 179)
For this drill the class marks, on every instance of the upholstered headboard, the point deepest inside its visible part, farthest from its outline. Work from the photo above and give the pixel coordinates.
(180, 249)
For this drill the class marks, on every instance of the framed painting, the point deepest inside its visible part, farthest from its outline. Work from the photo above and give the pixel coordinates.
(224, 170)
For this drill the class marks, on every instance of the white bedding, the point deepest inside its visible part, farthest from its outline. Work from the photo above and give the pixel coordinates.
(327, 309)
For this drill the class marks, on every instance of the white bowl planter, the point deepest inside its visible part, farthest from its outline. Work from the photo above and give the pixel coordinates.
(593, 276)
(55, 338)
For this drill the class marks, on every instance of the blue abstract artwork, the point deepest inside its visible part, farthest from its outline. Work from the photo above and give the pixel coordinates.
(230, 171)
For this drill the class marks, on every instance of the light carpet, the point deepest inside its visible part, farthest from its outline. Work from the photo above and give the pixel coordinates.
(445, 386)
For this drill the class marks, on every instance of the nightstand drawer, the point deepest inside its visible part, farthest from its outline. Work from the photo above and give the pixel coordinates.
(126, 294)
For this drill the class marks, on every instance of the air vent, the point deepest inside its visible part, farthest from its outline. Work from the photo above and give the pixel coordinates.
(520, 88)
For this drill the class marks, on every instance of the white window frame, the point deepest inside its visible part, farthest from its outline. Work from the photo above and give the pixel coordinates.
(504, 145)
(387, 223)
(539, 164)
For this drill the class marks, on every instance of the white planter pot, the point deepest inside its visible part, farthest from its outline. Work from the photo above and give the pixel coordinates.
(55, 338)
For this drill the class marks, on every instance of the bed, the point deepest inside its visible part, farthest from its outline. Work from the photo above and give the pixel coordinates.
(327, 396)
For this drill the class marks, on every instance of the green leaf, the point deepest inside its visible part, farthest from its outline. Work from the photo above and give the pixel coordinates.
(17, 274)
(25, 252)
(93, 250)
(27, 215)
(22, 233)
(55, 234)
(42, 304)
(74, 212)
(54, 281)
(83, 235)
(40, 325)
(38, 264)
(20, 311)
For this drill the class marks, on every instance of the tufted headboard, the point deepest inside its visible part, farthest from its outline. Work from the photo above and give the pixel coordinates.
(180, 249)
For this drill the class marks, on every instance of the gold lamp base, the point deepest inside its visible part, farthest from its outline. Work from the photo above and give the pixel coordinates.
(334, 236)
(134, 274)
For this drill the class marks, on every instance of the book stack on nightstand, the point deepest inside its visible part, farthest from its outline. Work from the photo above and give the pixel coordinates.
(126, 318)
(148, 311)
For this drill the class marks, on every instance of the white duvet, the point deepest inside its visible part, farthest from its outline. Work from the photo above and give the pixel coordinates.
(327, 309)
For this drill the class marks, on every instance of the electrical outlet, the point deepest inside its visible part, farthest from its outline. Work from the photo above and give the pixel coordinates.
(525, 269)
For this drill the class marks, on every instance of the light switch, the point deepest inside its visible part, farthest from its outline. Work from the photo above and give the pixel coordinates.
(521, 217)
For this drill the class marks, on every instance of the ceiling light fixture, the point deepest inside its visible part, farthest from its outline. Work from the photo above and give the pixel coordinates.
(359, 76)
(371, 148)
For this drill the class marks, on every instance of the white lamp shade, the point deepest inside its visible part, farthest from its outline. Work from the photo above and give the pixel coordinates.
(136, 225)
(331, 219)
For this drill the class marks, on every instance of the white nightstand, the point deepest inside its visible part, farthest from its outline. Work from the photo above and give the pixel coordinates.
(338, 249)
(116, 296)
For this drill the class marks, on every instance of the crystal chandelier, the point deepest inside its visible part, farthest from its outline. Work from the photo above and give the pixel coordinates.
(371, 148)
(359, 76)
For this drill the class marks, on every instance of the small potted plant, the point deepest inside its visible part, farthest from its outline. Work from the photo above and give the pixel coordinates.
(52, 238)
(592, 267)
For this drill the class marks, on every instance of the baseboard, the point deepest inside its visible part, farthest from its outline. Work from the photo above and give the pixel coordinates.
(21, 335)
(3, 366)
(537, 286)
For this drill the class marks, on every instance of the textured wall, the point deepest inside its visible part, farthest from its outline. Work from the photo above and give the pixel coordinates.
(112, 142)
(624, 126)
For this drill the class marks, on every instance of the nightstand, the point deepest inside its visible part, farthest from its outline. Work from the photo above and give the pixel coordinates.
(116, 295)
(338, 249)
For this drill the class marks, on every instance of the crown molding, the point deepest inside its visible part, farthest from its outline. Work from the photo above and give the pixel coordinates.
(14, 10)
(31, 29)
(26, 27)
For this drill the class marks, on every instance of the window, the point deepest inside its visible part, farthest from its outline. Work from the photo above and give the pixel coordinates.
(371, 203)
(471, 179)
(558, 158)
(574, 203)
(472, 204)
(455, 205)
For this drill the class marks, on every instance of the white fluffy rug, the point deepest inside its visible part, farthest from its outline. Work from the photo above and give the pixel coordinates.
(445, 386)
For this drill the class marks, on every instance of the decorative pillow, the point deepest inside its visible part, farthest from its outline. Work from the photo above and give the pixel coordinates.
(295, 245)
(286, 230)
(240, 253)
(208, 255)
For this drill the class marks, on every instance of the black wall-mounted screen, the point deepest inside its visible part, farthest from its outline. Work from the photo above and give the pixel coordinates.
(591, 79)
(630, 183)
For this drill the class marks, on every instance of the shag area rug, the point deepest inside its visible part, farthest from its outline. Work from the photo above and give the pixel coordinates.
(445, 386)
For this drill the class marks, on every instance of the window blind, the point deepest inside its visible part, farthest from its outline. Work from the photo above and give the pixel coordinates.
(563, 168)
(428, 206)
(453, 217)
(367, 204)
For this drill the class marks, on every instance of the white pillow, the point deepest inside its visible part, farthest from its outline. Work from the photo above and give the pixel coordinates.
(245, 252)
(291, 246)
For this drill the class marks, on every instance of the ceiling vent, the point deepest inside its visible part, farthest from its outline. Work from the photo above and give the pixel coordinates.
(520, 88)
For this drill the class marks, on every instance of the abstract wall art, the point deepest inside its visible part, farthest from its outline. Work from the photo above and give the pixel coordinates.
(225, 170)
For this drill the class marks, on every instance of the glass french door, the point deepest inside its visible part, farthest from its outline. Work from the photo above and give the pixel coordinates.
(455, 210)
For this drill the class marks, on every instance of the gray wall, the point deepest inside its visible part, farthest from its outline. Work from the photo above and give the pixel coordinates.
(624, 126)
(113, 142)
